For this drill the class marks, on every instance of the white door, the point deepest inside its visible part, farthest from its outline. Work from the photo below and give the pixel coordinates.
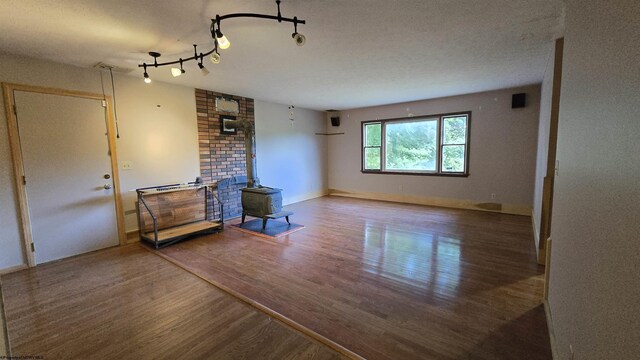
(66, 161)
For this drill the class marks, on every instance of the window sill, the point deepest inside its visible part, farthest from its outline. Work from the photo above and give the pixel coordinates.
(413, 173)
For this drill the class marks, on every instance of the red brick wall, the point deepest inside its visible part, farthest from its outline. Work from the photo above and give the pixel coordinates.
(222, 156)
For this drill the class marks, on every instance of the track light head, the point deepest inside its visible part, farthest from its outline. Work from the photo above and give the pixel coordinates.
(177, 72)
(147, 80)
(222, 40)
(204, 70)
(299, 39)
(215, 57)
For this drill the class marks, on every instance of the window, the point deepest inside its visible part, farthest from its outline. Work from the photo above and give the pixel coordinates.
(372, 146)
(428, 145)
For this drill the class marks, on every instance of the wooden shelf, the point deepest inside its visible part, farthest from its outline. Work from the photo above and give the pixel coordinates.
(182, 230)
(330, 134)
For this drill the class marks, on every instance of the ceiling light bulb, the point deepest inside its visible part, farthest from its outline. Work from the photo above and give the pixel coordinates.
(147, 80)
(215, 57)
(177, 72)
(223, 42)
(299, 39)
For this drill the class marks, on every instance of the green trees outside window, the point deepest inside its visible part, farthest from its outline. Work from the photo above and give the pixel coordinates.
(372, 146)
(454, 142)
(411, 145)
(430, 145)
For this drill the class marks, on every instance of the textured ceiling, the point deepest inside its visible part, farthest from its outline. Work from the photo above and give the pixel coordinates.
(358, 53)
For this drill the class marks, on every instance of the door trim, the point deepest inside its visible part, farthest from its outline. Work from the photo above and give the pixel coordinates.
(549, 179)
(18, 165)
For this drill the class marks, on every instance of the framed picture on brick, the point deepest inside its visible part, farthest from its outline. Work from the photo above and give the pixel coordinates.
(224, 129)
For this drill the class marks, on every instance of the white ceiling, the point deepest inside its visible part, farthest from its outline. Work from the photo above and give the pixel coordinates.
(358, 53)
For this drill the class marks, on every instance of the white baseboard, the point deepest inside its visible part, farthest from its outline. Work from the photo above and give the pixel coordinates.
(11, 269)
(552, 336)
(514, 209)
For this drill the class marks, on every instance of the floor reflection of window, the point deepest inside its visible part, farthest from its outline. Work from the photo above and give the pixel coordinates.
(423, 260)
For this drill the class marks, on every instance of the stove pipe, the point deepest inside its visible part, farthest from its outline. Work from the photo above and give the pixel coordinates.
(250, 149)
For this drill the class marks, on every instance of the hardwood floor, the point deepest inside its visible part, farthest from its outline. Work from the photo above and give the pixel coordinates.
(391, 281)
(383, 280)
(127, 303)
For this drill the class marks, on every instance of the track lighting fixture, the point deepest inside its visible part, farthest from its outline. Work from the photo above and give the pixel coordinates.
(203, 69)
(147, 80)
(215, 57)
(177, 72)
(298, 38)
(221, 41)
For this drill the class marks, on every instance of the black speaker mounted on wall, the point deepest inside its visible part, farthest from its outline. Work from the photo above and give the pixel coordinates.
(518, 100)
(335, 121)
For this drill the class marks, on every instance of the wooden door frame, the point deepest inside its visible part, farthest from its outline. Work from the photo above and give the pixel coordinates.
(8, 90)
(549, 179)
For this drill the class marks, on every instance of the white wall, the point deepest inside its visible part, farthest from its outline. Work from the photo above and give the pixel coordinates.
(595, 258)
(502, 150)
(158, 135)
(289, 155)
(543, 144)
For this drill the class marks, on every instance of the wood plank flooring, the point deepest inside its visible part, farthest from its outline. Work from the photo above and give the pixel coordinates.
(127, 303)
(3, 335)
(391, 281)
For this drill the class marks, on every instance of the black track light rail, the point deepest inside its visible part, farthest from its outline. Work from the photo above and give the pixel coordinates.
(179, 61)
(261, 16)
(217, 22)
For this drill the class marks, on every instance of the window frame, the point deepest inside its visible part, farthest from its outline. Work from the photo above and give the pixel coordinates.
(439, 145)
(365, 147)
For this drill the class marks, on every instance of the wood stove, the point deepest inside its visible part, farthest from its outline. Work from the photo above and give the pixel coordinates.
(263, 202)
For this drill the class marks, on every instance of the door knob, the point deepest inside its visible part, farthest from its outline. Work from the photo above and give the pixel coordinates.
(107, 186)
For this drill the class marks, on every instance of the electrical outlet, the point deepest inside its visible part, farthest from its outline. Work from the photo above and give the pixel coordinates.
(493, 196)
(127, 165)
